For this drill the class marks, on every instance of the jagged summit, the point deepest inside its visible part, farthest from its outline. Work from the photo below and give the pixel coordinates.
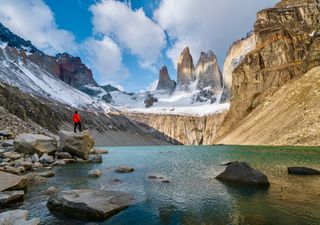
(15, 41)
(165, 82)
(185, 68)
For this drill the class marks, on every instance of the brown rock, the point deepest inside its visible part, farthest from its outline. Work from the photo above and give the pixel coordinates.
(185, 69)
(12, 182)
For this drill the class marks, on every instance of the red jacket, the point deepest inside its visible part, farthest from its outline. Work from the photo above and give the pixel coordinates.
(76, 118)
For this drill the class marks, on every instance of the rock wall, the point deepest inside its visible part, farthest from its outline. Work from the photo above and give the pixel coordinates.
(187, 130)
(287, 46)
(185, 68)
(165, 82)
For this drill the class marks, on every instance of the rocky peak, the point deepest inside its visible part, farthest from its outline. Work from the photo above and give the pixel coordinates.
(15, 41)
(185, 69)
(73, 71)
(207, 72)
(287, 46)
(165, 82)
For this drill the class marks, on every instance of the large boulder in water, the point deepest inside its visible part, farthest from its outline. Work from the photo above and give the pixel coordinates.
(303, 171)
(17, 217)
(242, 173)
(96, 205)
(9, 197)
(35, 143)
(77, 144)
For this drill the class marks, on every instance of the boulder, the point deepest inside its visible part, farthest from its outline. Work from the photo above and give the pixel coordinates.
(9, 197)
(13, 170)
(302, 171)
(12, 182)
(95, 159)
(94, 173)
(124, 169)
(35, 143)
(99, 151)
(34, 178)
(63, 155)
(58, 163)
(12, 155)
(96, 205)
(77, 144)
(46, 159)
(17, 217)
(26, 165)
(51, 190)
(35, 158)
(46, 174)
(242, 173)
(6, 134)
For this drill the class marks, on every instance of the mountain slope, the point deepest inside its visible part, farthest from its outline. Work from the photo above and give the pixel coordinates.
(290, 116)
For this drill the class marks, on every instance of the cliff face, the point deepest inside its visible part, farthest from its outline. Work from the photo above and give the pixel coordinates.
(165, 82)
(208, 73)
(187, 130)
(287, 46)
(185, 69)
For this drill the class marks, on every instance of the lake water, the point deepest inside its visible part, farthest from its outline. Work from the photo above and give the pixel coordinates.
(193, 195)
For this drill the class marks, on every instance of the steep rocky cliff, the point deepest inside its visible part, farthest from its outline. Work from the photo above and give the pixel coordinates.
(165, 82)
(178, 129)
(287, 46)
(208, 73)
(185, 68)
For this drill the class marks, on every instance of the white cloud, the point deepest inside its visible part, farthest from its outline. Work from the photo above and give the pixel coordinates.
(105, 58)
(33, 20)
(206, 24)
(131, 29)
(153, 85)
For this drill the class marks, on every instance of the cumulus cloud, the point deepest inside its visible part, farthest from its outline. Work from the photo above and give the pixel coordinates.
(206, 24)
(105, 58)
(133, 30)
(33, 20)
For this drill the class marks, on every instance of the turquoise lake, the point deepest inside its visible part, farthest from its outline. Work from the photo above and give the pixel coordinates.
(193, 195)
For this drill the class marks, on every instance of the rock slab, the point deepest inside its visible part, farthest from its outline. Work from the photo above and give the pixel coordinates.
(35, 143)
(77, 144)
(17, 217)
(96, 205)
(242, 173)
(9, 197)
(11, 182)
(303, 171)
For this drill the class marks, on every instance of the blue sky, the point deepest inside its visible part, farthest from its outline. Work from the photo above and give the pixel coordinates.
(126, 42)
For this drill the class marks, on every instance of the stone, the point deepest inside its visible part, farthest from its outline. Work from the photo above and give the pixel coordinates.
(34, 178)
(9, 197)
(12, 182)
(46, 174)
(12, 155)
(185, 68)
(6, 134)
(13, 170)
(17, 217)
(35, 158)
(124, 169)
(58, 163)
(46, 159)
(94, 173)
(63, 155)
(96, 205)
(51, 190)
(99, 151)
(35, 143)
(77, 144)
(165, 82)
(95, 159)
(302, 171)
(26, 165)
(242, 173)
(150, 100)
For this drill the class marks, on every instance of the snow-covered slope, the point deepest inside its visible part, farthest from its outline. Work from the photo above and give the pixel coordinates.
(17, 70)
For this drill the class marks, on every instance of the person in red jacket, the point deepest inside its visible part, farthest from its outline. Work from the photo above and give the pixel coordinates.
(76, 121)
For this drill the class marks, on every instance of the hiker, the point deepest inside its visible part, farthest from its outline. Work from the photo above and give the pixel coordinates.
(76, 121)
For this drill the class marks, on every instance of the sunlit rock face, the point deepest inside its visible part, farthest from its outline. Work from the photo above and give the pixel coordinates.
(287, 46)
(165, 82)
(236, 54)
(185, 68)
(208, 73)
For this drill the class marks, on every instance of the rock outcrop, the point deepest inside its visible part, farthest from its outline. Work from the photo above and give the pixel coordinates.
(165, 82)
(208, 73)
(35, 143)
(185, 68)
(73, 71)
(77, 144)
(89, 204)
(242, 173)
(287, 46)
(17, 217)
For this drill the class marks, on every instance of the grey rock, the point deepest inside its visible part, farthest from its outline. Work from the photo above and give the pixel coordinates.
(9, 197)
(35, 143)
(64, 155)
(46, 174)
(95, 159)
(302, 171)
(77, 144)
(46, 159)
(51, 190)
(124, 169)
(35, 158)
(58, 163)
(165, 82)
(17, 217)
(242, 173)
(94, 173)
(12, 155)
(99, 151)
(89, 204)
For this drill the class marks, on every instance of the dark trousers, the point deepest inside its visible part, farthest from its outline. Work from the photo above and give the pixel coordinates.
(77, 125)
